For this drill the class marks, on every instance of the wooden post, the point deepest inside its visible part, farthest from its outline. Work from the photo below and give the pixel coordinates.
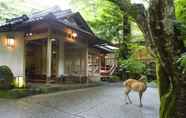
(80, 68)
(49, 58)
(105, 62)
(61, 58)
(99, 61)
(44, 52)
(86, 63)
(92, 60)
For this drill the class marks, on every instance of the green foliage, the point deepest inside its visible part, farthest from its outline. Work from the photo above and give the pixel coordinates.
(123, 52)
(132, 65)
(136, 34)
(135, 48)
(104, 17)
(182, 63)
(9, 9)
(6, 77)
(13, 8)
(180, 30)
(6, 94)
(180, 25)
(114, 78)
(129, 49)
(181, 10)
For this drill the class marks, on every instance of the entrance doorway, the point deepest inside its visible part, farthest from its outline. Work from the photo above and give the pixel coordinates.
(36, 60)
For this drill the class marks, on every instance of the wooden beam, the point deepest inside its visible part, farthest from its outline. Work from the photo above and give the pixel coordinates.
(86, 63)
(49, 58)
(38, 36)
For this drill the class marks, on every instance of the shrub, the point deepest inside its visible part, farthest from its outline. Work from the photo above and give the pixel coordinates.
(6, 77)
(132, 65)
(114, 79)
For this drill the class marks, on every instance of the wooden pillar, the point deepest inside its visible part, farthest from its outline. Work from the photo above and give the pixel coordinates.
(49, 58)
(44, 55)
(99, 60)
(104, 62)
(92, 58)
(86, 64)
(61, 62)
(86, 61)
(80, 68)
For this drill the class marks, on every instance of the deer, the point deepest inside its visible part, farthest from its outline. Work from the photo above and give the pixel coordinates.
(135, 85)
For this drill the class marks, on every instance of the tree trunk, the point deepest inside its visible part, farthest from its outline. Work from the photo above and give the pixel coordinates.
(123, 44)
(167, 93)
(158, 26)
(161, 21)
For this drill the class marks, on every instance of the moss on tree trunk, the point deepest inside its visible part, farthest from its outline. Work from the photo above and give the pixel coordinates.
(166, 92)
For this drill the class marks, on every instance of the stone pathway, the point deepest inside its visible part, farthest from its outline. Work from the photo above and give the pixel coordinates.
(98, 102)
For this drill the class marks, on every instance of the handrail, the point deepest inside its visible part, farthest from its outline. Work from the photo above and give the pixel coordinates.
(111, 70)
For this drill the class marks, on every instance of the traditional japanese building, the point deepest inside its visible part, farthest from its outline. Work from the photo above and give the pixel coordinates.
(50, 44)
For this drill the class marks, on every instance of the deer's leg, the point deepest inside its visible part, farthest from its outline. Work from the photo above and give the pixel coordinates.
(140, 97)
(127, 91)
(129, 99)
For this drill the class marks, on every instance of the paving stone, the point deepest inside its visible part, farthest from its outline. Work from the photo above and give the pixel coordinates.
(99, 102)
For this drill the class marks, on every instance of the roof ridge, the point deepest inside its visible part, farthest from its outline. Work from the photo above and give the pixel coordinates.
(53, 9)
(45, 10)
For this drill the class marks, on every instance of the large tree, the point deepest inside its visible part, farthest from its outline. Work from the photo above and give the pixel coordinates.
(158, 24)
(9, 9)
(104, 17)
(13, 8)
(107, 21)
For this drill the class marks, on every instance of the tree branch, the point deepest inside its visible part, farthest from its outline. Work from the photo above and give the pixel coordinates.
(140, 15)
(136, 11)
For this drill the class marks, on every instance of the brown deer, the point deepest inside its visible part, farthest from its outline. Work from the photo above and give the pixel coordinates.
(135, 85)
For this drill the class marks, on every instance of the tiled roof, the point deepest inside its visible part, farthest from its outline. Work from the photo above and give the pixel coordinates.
(106, 48)
(56, 11)
(63, 16)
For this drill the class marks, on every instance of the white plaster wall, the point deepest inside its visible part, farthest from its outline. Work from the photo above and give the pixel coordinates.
(13, 57)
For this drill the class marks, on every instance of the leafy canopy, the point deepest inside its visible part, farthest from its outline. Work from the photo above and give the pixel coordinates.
(181, 10)
(104, 17)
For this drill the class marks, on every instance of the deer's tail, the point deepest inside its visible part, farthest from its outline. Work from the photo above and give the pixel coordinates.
(125, 83)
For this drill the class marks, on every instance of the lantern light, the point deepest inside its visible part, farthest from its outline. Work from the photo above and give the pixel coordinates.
(53, 40)
(30, 34)
(20, 82)
(106, 56)
(71, 35)
(10, 41)
(74, 34)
